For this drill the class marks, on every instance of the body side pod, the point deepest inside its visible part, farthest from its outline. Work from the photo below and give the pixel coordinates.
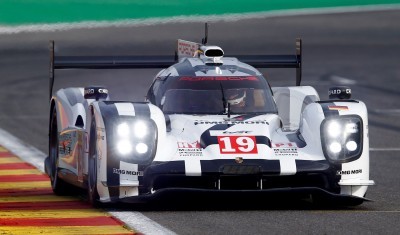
(128, 137)
(291, 102)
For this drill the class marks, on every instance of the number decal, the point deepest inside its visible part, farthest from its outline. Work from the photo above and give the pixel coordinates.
(225, 145)
(237, 144)
(246, 144)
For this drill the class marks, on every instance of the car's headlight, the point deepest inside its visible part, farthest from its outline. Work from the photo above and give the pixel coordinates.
(142, 148)
(135, 139)
(123, 130)
(140, 129)
(342, 138)
(124, 147)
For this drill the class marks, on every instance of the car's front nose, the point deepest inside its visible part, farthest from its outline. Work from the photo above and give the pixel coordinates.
(256, 174)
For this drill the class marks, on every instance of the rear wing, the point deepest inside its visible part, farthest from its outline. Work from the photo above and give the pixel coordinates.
(153, 62)
(277, 61)
(105, 62)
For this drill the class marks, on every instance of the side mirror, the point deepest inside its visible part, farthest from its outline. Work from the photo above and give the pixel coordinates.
(96, 92)
(340, 92)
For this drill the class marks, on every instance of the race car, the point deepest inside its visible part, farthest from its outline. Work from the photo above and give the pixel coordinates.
(210, 123)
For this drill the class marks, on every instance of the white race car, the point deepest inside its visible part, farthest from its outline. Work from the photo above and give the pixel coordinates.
(209, 124)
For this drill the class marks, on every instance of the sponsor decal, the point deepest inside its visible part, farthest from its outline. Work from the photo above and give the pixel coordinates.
(237, 144)
(339, 108)
(91, 91)
(205, 122)
(195, 144)
(349, 172)
(127, 172)
(222, 132)
(70, 148)
(235, 132)
(187, 149)
(65, 144)
(284, 145)
(65, 147)
(285, 149)
(286, 152)
(339, 91)
(219, 78)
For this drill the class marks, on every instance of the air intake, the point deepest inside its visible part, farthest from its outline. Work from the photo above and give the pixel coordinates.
(212, 54)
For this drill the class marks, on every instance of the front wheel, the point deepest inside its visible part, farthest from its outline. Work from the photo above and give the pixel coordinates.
(58, 185)
(93, 195)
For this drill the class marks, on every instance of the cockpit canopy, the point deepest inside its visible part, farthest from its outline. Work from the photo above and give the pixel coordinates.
(211, 95)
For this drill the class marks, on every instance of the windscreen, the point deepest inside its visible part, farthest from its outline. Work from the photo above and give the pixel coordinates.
(211, 95)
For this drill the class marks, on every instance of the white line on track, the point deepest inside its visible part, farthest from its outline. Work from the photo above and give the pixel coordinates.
(384, 149)
(22, 117)
(387, 111)
(352, 211)
(191, 18)
(141, 223)
(26, 152)
(342, 80)
(32, 155)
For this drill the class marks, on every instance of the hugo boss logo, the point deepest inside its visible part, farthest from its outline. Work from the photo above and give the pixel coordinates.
(95, 93)
(339, 92)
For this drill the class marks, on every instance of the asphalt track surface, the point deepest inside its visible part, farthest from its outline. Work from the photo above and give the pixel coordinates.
(358, 48)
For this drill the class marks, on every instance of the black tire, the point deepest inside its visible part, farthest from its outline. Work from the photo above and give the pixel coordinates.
(92, 193)
(59, 186)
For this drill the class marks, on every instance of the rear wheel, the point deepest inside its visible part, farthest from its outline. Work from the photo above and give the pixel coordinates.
(93, 195)
(59, 186)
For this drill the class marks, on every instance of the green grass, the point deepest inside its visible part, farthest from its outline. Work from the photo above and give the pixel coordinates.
(17, 12)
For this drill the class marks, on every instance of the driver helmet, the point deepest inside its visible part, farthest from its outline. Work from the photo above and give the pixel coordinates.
(237, 97)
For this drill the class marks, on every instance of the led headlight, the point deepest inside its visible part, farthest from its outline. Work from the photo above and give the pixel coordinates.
(335, 147)
(142, 148)
(124, 147)
(123, 130)
(134, 139)
(333, 129)
(342, 138)
(140, 129)
(351, 145)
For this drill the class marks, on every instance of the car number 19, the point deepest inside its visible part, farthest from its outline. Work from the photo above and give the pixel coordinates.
(237, 144)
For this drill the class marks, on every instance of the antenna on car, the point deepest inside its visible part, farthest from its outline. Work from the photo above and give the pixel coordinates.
(204, 40)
